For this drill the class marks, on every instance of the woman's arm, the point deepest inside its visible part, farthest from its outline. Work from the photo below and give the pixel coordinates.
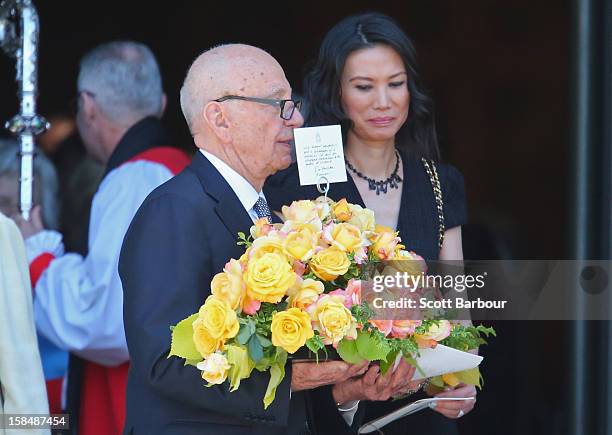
(452, 248)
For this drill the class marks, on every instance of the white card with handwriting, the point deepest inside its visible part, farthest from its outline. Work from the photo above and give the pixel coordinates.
(320, 155)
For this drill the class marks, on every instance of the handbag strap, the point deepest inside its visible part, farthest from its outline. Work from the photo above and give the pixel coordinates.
(430, 168)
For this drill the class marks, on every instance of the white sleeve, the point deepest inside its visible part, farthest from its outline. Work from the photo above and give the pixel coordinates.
(46, 241)
(79, 301)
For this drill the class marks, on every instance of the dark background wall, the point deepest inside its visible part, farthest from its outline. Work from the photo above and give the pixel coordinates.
(498, 72)
(499, 75)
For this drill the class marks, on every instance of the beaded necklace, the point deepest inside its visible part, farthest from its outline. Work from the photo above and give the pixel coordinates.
(380, 186)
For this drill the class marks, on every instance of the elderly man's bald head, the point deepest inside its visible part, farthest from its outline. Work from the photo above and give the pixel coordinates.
(232, 69)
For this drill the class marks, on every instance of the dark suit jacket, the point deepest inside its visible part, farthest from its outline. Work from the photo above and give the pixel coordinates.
(182, 235)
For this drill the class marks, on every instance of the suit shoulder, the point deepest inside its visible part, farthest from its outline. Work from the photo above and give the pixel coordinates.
(185, 187)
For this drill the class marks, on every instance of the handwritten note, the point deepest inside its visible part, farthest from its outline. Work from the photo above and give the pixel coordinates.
(320, 155)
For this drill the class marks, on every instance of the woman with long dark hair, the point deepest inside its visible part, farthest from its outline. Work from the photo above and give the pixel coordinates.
(365, 79)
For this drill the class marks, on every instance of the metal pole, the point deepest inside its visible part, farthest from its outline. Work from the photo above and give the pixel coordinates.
(26, 124)
(590, 354)
(582, 58)
(29, 26)
(607, 124)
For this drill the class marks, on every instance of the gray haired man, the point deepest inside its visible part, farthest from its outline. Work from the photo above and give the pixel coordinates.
(78, 300)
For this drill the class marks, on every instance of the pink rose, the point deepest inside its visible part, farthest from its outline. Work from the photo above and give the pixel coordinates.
(361, 255)
(384, 326)
(351, 295)
(353, 291)
(299, 268)
(434, 334)
(404, 328)
(250, 306)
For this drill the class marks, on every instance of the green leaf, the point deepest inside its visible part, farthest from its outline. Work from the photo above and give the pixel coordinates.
(388, 362)
(470, 377)
(244, 333)
(277, 373)
(241, 365)
(437, 381)
(467, 337)
(315, 344)
(255, 349)
(182, 340)
(362, 313)
(347, 349)
(371, 347)
(243, 240)
(264, 364)
(264, 341)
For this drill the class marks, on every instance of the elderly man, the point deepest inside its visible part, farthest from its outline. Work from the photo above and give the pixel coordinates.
(237, 103)
(78, 300)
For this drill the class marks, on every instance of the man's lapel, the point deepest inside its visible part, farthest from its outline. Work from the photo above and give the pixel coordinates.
(228, 208)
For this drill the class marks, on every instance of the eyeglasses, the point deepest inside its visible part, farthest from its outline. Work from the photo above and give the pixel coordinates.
(287, 107)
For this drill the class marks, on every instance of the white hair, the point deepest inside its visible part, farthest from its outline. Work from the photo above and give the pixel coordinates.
(191, 96)
(45, 179)
(125, 80)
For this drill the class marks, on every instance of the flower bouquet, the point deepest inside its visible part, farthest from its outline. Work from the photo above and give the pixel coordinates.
(298, 287)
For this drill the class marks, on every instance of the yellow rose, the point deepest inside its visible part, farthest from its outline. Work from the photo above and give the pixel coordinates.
(228, 285)
(451, 379)
(307, 293)
(214, 368)
(332, 319)
(328, 264)
(345, 237)
(385, 242)
(219, 318)
(291, 329)
(268, 278)
(409, 263)
(383, 229)
(342, 210)
(204, 342)
(399, 251)
(301, 211)
(362, 217)
(291, 226)
(323, 204)
(301, 244)
(271, 243)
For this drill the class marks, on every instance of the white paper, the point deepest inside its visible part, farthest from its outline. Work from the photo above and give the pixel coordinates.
(442, 359)
(320, 155)
(411, 408)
